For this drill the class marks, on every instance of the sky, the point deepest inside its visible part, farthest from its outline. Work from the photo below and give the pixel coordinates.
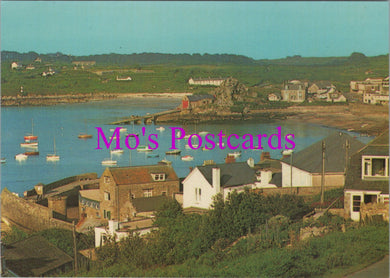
(260, 30)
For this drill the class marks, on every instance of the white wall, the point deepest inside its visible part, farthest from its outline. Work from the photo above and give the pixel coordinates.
(196, 180)
(300, 177)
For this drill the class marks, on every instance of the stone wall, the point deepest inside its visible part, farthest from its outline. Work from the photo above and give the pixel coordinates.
(301, 191)
(368, 211)
(28, 215)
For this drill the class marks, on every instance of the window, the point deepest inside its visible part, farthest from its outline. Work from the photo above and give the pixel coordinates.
(106, 179)
(375, 167)
(131, 195)
(109, 215)
(356, 203)
(105, 214)
(164, 193)
(158, 177)
(198, 194)
(148, 192)
(107, 196)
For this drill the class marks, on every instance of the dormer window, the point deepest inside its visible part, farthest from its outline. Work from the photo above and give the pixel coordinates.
(158, 176)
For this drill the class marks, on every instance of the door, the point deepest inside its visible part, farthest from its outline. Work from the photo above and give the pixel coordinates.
(356, 202)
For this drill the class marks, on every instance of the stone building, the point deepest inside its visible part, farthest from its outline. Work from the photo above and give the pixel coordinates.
(123, 192)
(294, 91)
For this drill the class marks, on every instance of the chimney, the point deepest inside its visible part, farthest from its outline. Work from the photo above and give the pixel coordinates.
(216, 177)
(251, 162)
(265, 155)
(230, 159)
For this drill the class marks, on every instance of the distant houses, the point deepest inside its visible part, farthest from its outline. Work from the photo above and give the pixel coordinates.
(374, 90)
(206, 81)
(127, 78)
(84, 63)
(193, 101)
(274, 96)
(366, 190)
(16, 65)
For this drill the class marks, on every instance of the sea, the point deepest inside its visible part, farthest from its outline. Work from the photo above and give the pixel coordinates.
(63, 123)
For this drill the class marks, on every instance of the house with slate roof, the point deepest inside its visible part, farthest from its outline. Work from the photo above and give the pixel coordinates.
(204, 182)
(307, 164)
(193, 101)
(367, 181)
(35, 257)
(127, 191)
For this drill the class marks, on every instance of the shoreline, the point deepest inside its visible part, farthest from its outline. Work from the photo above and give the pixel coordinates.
(51, 100)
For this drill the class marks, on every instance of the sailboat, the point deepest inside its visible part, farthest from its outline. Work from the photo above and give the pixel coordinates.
(53, 157)
(29, 137)
(109, 161)
(85, 135)
(133, 134)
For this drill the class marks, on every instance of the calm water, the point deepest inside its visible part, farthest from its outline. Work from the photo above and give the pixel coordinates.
(65, 122)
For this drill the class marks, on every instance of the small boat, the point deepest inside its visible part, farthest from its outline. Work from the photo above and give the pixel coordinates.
(54, 156)
(235, 154)
(205, 149)
(31, 137)
(173, 152)
(165, 162)
(21, 156)
(116, 151)
(150, 155)
(112, 129)
(84, 136)
(202, 133)
(133, 134)
(29, 145)
(194, 146)
(3, 160)
(111, 137)
(161, 128)
(109, 161)
(144, 149)
(187, 136)
(187, 158)
(223, 144)
(123, 129)
(31, 153)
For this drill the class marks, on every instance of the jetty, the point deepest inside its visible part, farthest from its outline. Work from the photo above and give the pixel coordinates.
(146, 119)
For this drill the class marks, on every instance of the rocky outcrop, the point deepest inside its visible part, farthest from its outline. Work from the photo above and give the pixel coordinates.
(231, 90)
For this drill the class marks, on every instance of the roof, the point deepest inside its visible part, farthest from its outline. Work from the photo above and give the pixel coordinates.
(91, 194)
(141, 174)
(294, 87)
(323, 84)
(136, 225)
(34, 256)
(146, 204)
(276, 94)
(208, 79)
(269, 163)
(310, 159)
(353, 180)
(199, 97)
(232, 174)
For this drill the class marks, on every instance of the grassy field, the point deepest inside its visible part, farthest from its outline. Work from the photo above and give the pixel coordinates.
(172, 78)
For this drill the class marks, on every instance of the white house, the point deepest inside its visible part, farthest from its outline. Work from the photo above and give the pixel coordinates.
(118, 231)
(206, 81)
(204, 182)
(15, 65)
(307, 164)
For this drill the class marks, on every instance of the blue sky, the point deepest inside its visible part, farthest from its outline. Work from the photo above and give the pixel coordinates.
(255, 29)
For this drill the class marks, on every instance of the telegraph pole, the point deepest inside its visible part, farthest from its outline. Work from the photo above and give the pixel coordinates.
(347, 146)
(323, 173)
(74, 249)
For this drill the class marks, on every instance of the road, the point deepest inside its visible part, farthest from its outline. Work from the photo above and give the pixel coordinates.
(377, 270)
